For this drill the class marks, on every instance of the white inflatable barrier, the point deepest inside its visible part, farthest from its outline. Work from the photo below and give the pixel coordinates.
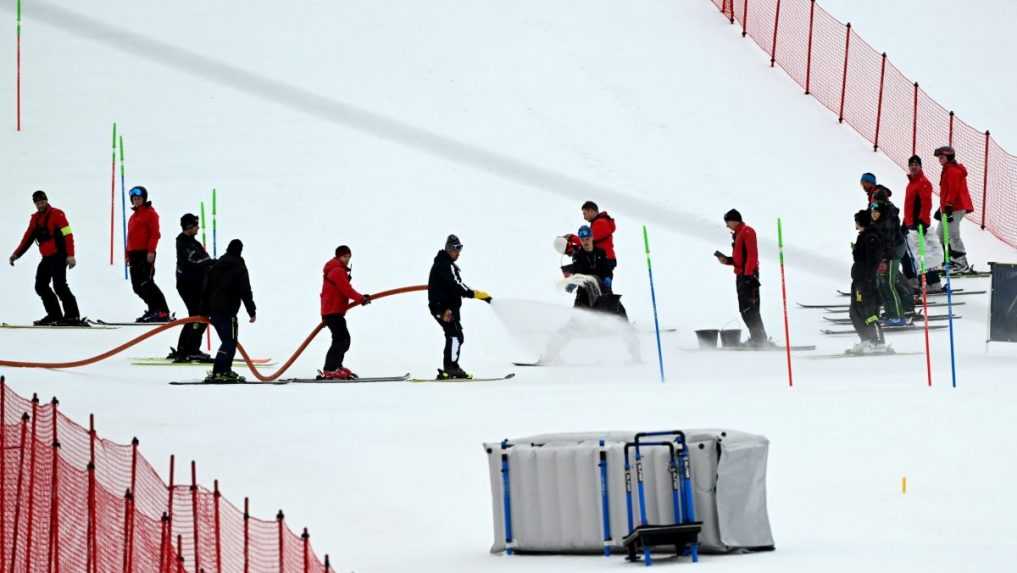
(566, 493)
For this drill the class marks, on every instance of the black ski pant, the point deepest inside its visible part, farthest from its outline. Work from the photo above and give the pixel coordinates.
(336, 324)
(226, 328)
(865, 312)
(748, 305)
(898, 299)
(143, 281)
(54, 269)
(453, 330)
(189, 342)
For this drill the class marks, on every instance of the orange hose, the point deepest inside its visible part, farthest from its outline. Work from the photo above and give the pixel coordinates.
(203, 320)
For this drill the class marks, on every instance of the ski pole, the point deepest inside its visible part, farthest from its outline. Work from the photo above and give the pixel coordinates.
(949, 294)
(507, 500)
(215, 243)
(653, 298)
(123, 201)
(925, 299)
(783, 290)
(208, 331)
(113, 195)
(605, 505)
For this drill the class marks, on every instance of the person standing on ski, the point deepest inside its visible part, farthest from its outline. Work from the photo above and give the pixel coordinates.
(954, 204)
(49, 228)
(227, 286)
(336, 296)
(867, 252)
(917, 216)
(745, 260)
(445, 294)
(193, 264)
(142, 239)
(898, 300)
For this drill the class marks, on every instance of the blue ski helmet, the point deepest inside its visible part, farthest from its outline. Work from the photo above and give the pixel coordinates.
(585, 232)
(139, 191)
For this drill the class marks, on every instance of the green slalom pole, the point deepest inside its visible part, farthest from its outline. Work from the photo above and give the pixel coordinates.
(653, 297)
(783, 290)
(923, 269)
(19, 67)
(215, 242)
(113, 196)
(123, 200)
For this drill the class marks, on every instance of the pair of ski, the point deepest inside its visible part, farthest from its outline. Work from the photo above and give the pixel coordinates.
(88, 325)
(915, 317)
(849, 354)
(956, 292)
(366, 380)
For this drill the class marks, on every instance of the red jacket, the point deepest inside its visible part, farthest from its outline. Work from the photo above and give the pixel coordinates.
(336, 290)
(953, 188)
(603, 233)
(51, 230)
(917, 202)
(143, 229)
(745, 257)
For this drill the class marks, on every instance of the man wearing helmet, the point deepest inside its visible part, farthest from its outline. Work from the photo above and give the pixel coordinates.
(954, 204)
(193, 264)
(142, 240)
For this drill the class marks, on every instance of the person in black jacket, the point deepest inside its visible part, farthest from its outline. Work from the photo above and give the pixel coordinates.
(592, 261)
(193, 264)
(445, 294)
(868, 252)
(227, 285)
(898, 299)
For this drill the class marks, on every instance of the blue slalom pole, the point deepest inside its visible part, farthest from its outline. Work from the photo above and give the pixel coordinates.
(508, 498)
(215, 242)
(606, 507)
(949, 294)
(653, 297)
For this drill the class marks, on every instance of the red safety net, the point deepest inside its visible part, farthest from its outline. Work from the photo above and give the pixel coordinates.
(859, 84)
(72, 501)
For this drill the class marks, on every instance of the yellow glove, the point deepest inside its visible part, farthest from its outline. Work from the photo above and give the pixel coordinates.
(481, 295)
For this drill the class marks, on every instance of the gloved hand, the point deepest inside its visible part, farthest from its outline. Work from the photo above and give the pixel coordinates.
(367, 300)
(446, 316)
(12, 259)
(571, 288)
(606, 282)
(481, 295)
(71, 262)
(938, 216)
(150, 258)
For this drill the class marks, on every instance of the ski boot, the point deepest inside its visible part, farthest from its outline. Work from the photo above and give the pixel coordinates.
(454, 372)
(343, 374)
(196, 358)
(48, 321)
(72, 321)
(894, 322)
(154, 317)
(229, 377)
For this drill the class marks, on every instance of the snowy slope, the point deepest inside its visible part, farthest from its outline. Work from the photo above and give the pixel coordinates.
(387, 125)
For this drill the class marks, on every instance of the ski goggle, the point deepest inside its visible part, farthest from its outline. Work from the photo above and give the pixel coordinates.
(137, 192)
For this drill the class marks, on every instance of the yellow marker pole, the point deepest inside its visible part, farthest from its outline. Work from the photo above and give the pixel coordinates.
(903, 485)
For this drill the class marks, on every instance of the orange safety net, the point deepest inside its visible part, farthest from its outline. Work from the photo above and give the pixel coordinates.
(859, 84)
(72, 501)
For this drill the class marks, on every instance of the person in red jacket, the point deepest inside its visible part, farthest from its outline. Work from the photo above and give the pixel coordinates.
(142, 240)
(918, 215)
(336, 296)
(50, 229)
(954, 204)
(745, 260)
(603, 228)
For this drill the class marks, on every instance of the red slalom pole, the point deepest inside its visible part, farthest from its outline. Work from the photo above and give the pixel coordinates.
(783, 290)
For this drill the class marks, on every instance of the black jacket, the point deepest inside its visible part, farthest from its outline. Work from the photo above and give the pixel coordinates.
(228, 284)
(193, 262)
(868, 251)
(593, 262)
(890, 230)
(445, 288)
